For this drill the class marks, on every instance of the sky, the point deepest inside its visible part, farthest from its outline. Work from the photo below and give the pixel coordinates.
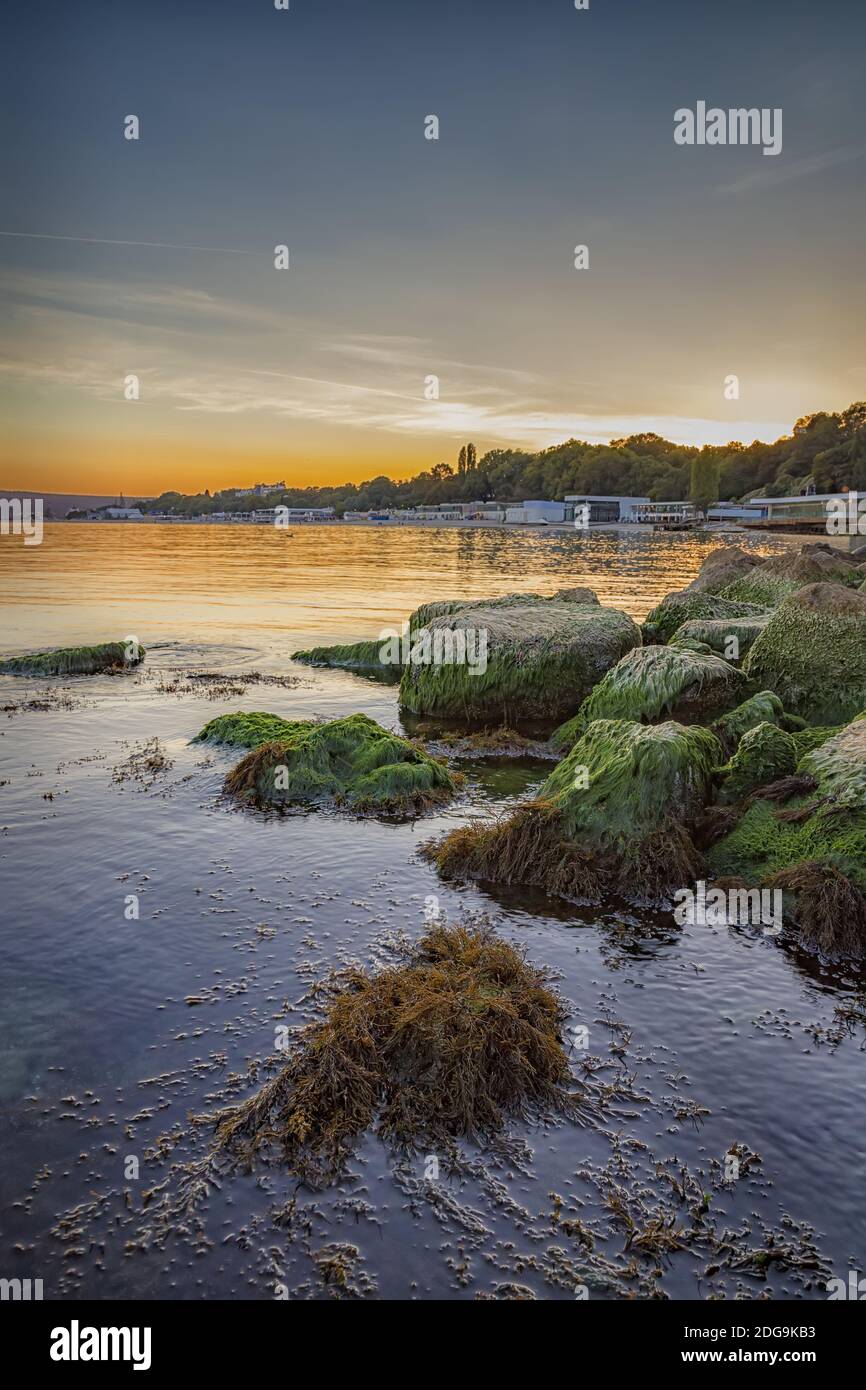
(412, 258)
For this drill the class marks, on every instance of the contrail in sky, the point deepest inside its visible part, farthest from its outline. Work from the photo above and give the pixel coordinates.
(108, 241)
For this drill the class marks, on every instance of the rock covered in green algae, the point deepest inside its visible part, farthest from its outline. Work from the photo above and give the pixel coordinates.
(782, 575)
(716, 634)
(637, 776)
(383, 658)
(688, 605)
(690, 645)
(763, 708)
(532, 662)
(653, 683)
(765, 754)
(722, 567)
(351, 763)
(811, 844)
(248, 729)
(613, 817)
(105, 659)
(812, 653)
(807, 739)
(371, 659)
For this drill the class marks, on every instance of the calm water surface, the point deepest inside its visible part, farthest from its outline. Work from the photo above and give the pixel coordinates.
(713, 1038)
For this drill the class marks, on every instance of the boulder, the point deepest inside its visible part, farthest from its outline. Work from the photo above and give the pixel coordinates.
(522, 664)
(613, 817)
(722, 567)
(686, 605)
(110, 658)
(811, 844)
(765, 754)
(812, 653)
(716, 634)
(353, 764)
(655, 683)
(782, 575)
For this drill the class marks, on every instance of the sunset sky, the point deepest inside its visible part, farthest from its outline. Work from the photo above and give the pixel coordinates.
(412, 257)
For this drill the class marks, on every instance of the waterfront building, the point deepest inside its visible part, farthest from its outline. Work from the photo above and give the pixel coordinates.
(604, 510)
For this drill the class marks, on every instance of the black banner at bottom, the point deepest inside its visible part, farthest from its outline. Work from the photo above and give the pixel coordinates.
(222, 1338)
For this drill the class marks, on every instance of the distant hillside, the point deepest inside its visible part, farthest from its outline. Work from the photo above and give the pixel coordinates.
(57, 504)
(824, 450)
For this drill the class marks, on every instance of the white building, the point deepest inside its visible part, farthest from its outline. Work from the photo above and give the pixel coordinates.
(605, 510)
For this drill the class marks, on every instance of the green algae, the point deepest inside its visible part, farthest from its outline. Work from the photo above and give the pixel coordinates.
(249, 729)
(350, 763)
(765, 707)
(765, 754)
(364, 658)
(540, 660)
(612, 817)
(105, 659)
(382, 659)
(689, 644)
(653, 683)
(688, 605)
(812, 653)
(716, 634)
(805, 740)
(782, 575)
(814, 847)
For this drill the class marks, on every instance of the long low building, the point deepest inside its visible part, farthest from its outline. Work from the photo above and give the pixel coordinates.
(811, 510)
(601, 510)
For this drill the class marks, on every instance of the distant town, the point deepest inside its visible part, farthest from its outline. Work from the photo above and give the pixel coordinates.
(807, 511)
(642, 480)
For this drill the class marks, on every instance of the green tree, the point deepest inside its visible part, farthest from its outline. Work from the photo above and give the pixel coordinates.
(704, 482)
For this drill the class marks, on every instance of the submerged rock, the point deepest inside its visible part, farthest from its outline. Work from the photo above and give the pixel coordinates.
(807, 836)
(451, 1045)
(350, 763)
(106, 659)
(364, 658)
(782, 575)
(525, 664)
(652, 683)
(613, 817)
(812, 653)
(687, 605)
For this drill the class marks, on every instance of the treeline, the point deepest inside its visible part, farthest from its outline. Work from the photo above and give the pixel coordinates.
(826, 449)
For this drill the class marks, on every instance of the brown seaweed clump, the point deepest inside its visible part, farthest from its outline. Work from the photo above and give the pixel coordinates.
(829, 910)
(463, 1037)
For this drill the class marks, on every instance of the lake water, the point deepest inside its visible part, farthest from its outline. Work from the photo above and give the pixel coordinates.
(711, 1041)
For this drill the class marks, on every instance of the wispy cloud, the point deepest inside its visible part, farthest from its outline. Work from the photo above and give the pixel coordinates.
(770, 177)
(113, 241)
(82, 336)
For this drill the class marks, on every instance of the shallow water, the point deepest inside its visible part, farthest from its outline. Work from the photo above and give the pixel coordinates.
(713, 1037)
